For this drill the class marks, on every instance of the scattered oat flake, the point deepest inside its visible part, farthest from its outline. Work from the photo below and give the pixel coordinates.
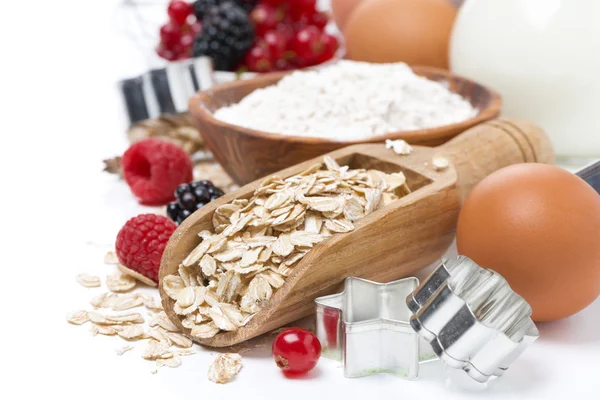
(89, 281)
(111, 258)
(225, 368)
(122, 350)
(399, 147)
(103, 300)
(179, 340)
(119, 283)
(152, 303)
(185, 352)
(163, 321)
(440, 163)
(205, 330)
(132, 332)
(156, 334)
(132, 318)
(78, 317)
(103, 330)
(127, 302)
(156, 350)
(172, 362)
(136, 275)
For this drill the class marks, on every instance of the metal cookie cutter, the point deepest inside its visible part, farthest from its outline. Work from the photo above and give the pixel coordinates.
(472, 318)
(466, 315)
(367, 327)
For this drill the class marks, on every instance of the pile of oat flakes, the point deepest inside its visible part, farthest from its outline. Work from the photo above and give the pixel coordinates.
(165, 345)
(257, 242)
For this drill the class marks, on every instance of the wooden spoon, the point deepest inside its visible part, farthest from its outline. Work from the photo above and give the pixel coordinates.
(389, 244)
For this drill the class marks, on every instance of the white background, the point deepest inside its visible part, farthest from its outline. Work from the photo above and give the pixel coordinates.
(60, 115)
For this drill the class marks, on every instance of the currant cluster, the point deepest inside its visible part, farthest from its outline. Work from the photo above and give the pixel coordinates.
(178, 34)
(248, 35)
(290, 34)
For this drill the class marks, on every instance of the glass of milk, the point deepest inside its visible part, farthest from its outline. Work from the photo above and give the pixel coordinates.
(543, 57)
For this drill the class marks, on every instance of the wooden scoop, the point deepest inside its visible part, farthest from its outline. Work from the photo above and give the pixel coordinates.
(389, 244)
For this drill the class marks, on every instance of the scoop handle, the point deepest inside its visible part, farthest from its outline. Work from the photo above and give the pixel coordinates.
(493, 145)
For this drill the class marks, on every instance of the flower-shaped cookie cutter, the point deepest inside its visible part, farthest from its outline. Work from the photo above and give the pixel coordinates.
(367, 327)
(472, 318)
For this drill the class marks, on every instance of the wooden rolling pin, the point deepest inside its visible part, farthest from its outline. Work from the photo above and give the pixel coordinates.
(391, 243)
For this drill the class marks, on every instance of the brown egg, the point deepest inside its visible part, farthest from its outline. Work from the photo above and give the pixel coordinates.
(539, 227)
(341, 10)
(416, 32)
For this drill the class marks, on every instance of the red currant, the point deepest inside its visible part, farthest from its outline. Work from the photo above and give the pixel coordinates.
(319, 20)
(273, 3)
(264, 19)
(258, 58)
(286, 30)
(179, 11)
(331, 45)
(276, 42)
(186, 42)
(170, 34)
(307, 45)
(296, 350)
(165, 53)
(302, 9)
(283, 65)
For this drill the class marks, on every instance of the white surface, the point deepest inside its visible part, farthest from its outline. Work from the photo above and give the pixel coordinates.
(61, 115)
(543, 57)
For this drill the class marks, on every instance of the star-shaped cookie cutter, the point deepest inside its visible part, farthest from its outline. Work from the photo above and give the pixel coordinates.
(367, 327)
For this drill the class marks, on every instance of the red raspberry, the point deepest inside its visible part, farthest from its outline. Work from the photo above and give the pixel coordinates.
(154, 168)
(141, 242)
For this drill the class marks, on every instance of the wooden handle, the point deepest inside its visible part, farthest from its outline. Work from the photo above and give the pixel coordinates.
(493, 145)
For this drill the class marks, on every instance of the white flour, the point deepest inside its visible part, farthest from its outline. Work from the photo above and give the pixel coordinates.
(349, 101)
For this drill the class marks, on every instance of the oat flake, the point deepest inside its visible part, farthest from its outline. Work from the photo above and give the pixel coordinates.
(440, 163)
(78, 317)
(122, 350)
(225, 368)
(89, 281)
(119, 283)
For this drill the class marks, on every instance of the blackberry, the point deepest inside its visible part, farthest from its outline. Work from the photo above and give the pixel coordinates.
(227, 34)
(201, 7)
(190, 197)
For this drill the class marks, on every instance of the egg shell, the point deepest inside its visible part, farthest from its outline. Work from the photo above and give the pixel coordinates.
(341, 10)
(416, 32)
(538, 226)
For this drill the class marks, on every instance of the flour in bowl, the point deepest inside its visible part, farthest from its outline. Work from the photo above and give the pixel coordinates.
(349, 101)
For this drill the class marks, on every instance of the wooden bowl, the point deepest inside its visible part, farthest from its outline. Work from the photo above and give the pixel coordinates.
(248, 154)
